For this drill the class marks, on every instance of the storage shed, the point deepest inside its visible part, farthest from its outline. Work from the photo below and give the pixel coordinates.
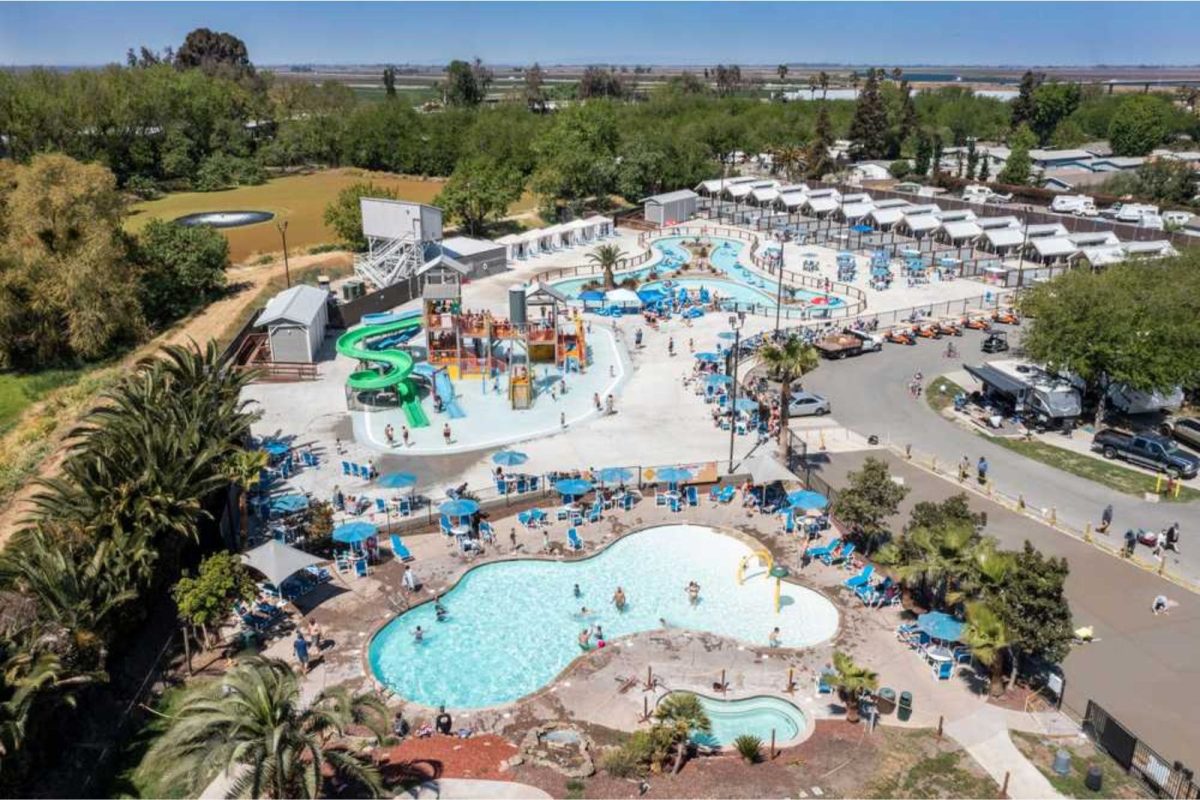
(672, 207)
(295, 320)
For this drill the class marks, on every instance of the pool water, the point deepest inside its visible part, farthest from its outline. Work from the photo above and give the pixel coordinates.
(513, 626)
(727, 290)
(752, 716)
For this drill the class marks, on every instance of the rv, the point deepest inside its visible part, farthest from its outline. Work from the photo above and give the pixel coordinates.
(979, 195)
(1132, 401)
(1027, 390)
(1078, 204)
(1133, 212)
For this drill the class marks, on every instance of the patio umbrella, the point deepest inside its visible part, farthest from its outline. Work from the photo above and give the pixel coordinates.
(674, 474)
(807, 499)
(718, 380)
(509, 458)
(650, 295)
(397, 480)
(592, 296)
(289, 504)
(614, 475)
(573, 487)
(727, 335)
(940, 626)
(275, 448)
(354, 532)
(458, 508)
(277, 561)
(708, 358)
(746, 404)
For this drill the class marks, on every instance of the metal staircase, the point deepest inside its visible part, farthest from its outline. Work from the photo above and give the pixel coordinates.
(389, 261)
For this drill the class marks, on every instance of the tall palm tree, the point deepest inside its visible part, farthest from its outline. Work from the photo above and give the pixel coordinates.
(852, 682)
(823, 79)
(782, 70)
(682, 715)
(897, 74)
(787, 362)
(987, 636)
(790, 160)
(244, 468)
(607, 256)
(23, 678)
(813, 85)
(253, 721)
(854, 81)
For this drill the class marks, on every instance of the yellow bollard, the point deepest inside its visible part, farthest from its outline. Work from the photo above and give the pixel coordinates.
(822, 445)
(1053, 516)
(1178, 486)
(1162, 565)
(988, 486)
(1021, 502)
(1158, 483)
(1087, 533)
(933, 463)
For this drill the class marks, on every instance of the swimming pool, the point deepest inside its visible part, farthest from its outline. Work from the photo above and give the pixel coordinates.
(751, 716)
(728, 290)
(513, 625)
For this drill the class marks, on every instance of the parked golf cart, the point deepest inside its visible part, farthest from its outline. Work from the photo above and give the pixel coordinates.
(996, 342)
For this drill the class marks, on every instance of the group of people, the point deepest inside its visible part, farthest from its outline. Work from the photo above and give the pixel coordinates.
(301, 644)
(981, 469)
(389, 433)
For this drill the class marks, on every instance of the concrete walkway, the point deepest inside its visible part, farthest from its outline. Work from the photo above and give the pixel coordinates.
(462, 789)
(984, 734)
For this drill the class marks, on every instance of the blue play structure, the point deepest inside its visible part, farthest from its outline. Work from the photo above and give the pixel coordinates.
(445, 391)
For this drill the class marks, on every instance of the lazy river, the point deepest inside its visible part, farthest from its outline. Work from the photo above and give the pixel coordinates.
(513, 625)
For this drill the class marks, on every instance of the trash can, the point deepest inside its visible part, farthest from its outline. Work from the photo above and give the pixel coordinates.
(886, 700)
(1062, 762)
(1095, 778)
(904, 710)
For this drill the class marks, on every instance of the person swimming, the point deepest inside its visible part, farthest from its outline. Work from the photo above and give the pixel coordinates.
(774, 638)
(618, 599)
(418, 635)
(439, 610)
(585, 639)
(693, 592)
(578, 591)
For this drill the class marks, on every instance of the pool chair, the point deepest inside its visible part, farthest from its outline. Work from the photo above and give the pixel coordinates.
(861, 578)
(522, 485)
(255, 623)
(906, 631)
(345, 467)
(823, 685)
(660, 498)
(838, 556)
(943, 670)
(789, 522)
(381, 505)
(361, 568)
(594, 514)
(403, 506)
(527, 519)
(693, 496)
(341, 562)
(714, 494)
(319, 574)
(487, 532)
(675, 504)
(824, 550)
(727, 494)
(534, 483)
(444, 525)
(573, 539)
(399, 550)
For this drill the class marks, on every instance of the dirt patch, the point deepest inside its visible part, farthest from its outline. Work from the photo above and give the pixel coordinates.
(1040, 750)
(478, 758)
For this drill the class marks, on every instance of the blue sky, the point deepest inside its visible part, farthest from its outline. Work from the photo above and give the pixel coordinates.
(655, 33)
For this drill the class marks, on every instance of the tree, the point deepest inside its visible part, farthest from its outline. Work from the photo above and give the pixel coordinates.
(596, 83)
(244, 469)
(1034, 608)
(183, 267)
(785, 363)
(823, 82)
(1052, 103)
(933, 561)
(26, 678)
(1138, 126)
(214, 53)
(819, 160)
(254, 720)
(937, 158)
(389, 81)
(681, 714)
(1162, 180)
(463, 86)
(1068, 134)
(729, 79)
(852, 682)
(209, 598)
(985, 167)
(606, 257)
(1019, 166)
(577, 156)
(479, 190)
(900, 168)
(869, 128)
(869, 500)
(534, 89)
(344, 214)
(782, 71)
(987, 636)
(1023, 106)
(923, 154)
(972, 159)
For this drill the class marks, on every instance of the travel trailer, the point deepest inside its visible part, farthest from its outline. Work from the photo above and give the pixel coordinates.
(1044, 400)
(1078, 204)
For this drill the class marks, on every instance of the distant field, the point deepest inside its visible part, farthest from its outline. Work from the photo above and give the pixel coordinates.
(300, 199)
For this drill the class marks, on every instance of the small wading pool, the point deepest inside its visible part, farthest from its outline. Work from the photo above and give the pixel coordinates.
(223, 219)
(513, 626)
(752, 716)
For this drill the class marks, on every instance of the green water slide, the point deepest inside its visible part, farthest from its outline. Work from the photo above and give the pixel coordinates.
(395, 366)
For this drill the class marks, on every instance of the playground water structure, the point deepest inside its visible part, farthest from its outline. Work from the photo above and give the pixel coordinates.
(374, 343)
(751, 716)
(513, 626)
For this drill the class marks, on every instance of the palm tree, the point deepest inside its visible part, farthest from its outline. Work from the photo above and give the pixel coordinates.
(897, 74)
(854, 81)
(787, 362)
(987, 636)
(607, 256)
(823, 79)
(852, 682)
(783, 71)
(813, 85)
(253, 721)
(244, 468)
(790, 160)
(681, 714)
(23, 678)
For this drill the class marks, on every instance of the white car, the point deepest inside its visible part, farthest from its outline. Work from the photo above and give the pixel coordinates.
(807, 404)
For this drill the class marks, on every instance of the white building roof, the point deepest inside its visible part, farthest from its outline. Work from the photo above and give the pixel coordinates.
(765, 195)
(715, 184)
(671, 197)
(466, 246)
(993, 223)
(1004, 237)
(820, 205)
(739, 190)
(299, 305)
(596, 219)
(1094, 239)
(887, 216)
(792, 199)
(823, 193)
(1157, 248)
(1059, 155)
(1046, 229)
(1103, 256)
(891, 202)
(928, 208)
(965, 229)
(957, 215)
(857, 210)
(921, 222)
(1053, 246)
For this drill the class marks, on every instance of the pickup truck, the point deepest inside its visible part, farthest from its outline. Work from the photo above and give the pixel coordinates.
(849, 343)
(1147, 450)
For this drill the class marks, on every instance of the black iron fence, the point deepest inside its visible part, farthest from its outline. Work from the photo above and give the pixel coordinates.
(1164, 777)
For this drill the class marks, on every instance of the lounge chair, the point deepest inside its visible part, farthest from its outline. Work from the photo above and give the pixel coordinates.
(361, 568)
(838, 555)
(319, 574)
(487, 532)
(399, 550)
(789, 522)
(444, 525)
(823, 685)
(255, 623)
(345, 467)
(675, 504)
(693, 496)
(573, 539)
(943, 670)
(627, 501)
(861, 578)
(381, 505)
(727, 494)
(824, 550)
(341, 562)
(527, 519)
(594, 514)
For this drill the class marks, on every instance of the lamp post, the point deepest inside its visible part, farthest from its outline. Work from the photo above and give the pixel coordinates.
(287, 271)
(735, 324)
(784, 237)
(1021, 255)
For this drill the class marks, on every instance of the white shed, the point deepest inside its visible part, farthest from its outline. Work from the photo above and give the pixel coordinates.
(295, 320)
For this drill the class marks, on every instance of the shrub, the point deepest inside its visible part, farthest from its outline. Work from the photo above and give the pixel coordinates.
(141, 186)
(575, 788)
(749, 748)
(621, 763)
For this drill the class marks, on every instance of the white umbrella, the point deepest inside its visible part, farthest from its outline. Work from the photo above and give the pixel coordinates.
(623, 297)
(277, 561)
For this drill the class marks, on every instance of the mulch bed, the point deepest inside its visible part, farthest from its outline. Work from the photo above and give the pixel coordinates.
(478, 757)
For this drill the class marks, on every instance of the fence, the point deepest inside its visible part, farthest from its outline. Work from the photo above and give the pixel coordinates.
(1165, 778)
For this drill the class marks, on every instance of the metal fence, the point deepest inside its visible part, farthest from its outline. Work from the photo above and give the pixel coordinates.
(1165, 778)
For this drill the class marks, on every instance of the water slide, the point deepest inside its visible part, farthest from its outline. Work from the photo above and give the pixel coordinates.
(445, 390)
(395, 365)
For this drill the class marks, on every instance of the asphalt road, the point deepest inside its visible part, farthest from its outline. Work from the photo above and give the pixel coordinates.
(869, 395)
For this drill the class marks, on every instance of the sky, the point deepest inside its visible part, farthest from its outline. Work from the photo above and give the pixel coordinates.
(993, 34)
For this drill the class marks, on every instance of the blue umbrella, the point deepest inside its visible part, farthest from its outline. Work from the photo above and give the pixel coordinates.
(940, 626)
(614, 474)
(458, 508)
(708, 358)
(354, 532)
(650, 295)
(806, 499)
(592, 296)
(573, 487)
(509, 458)
(275, 448)
(746, 404)
(397, 480)
(717, 379)
(861, 229)
(289, 503)
(674, 474)
(726, 335)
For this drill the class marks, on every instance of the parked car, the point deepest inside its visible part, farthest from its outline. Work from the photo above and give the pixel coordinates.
(806, 404)
(1184, 429)
(1147, 450)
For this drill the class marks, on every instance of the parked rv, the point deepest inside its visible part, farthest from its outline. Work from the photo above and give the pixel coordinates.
(1132, 401)
(1078, 204)
(1026, 390)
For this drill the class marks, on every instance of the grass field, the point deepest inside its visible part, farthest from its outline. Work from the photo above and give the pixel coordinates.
(1041, 750)
(940, 393)
(18, 391)
(300, 199)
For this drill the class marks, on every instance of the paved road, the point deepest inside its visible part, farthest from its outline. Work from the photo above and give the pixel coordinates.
(1142, 668)
(870, 395)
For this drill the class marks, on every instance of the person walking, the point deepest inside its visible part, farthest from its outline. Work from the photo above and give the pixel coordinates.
(404, 434)
(410, 578)
(671, 345)
(1171, 535)
(982, 470)
(1106, 517)
(446, 433)
(964, 468)
(300, 646)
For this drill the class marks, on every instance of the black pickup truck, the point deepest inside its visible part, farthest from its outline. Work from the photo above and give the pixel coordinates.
(1147, 450)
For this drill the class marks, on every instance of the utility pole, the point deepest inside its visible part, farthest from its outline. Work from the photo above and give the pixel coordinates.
(287, 271)
(735, 324)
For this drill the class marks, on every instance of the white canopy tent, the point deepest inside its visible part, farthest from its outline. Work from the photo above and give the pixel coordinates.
(277, 561)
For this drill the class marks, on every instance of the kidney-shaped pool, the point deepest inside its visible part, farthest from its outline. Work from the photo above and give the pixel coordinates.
(513, 626)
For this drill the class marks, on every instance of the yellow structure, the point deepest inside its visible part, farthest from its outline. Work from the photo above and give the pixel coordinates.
(764, 558)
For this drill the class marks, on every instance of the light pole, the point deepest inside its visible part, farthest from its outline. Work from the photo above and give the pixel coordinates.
(784, 237)
(735, 324)
(287, 271)
(1024, 244)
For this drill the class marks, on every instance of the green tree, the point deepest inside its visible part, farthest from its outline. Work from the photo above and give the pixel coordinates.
(1024, 105)
(900, 168)
(1019, 167)
(463, 87)
(852, 681)
(1033, 606)
(782, 71)
(868, 501)
(819, 160)
(208, 598)
(389, 81)
(869, 128)
(597, 83)
(535, 88)
(972, 159)
(254, 722)
(182, 268)
(987, 636)
(681, 715)
(344, 214)
(985, 167)
(577, 157)
(479, 190)
(1052, 103)
(923, 155)
(1138, 126)
(215, 53)
(607, 257)
(244, 469)
(1068, 134)
(788, 362)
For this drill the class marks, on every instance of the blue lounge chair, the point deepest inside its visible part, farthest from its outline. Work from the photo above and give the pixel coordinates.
(727, 494)
(345, 467)
(823, 685)
(838, 555)
(319, 574)
(355, 470)
(861, 578)
(487, 532)
(789, 522)
(693, 496)
(522, 485)
(824, 550)
(398, 549)
(255, 623)
(526, 518)
(444, 525)
(943, 670)
(627, 501)
(594, 514)
(574, 540)
(361, 568)
(676, 505)
(381, 505)
(404, 506)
